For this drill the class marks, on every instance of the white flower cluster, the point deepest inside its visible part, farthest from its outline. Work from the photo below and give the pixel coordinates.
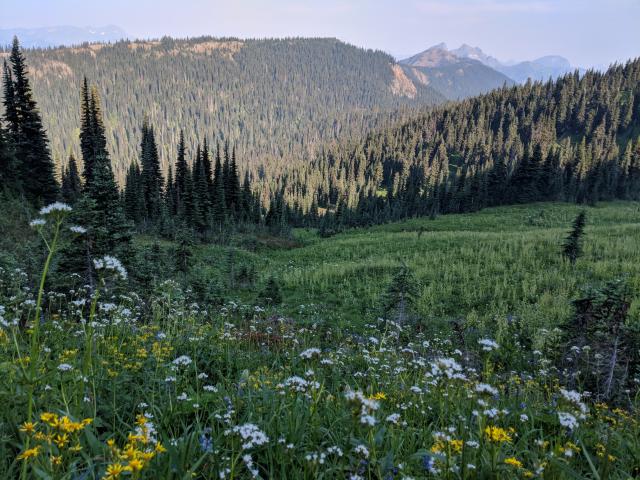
(367, 406)
(299, 384)
(111, 263)
(575, 398)
(567, 420)
(486, 388)
(310, 352)
(320, 457)
(447, 367)
(77, 229)
(488, 345)
(37, 222)
(182, 360)
(251, 435)
(54, 208)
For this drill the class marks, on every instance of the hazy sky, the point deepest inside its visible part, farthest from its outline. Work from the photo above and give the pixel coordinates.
(587, 32)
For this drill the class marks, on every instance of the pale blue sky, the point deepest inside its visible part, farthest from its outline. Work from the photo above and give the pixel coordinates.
(587, 32)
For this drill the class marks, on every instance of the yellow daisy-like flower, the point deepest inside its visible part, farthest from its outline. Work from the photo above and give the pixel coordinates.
(136, 465)
(28, 427)
(56, 460)
(513, 461)
(29, 454)
(378, 396)
(497, 434)
(61, 440)
(114, 471)
(160, 448)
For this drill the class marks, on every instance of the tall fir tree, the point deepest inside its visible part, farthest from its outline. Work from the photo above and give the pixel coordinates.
(71, 186)
(30, 141)
(219, 204)
(152, 181)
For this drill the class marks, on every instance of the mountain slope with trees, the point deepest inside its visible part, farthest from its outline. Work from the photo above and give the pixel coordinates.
(277, 100)
(573, 139)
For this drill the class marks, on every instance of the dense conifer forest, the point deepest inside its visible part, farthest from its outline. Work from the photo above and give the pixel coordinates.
(575, 139)
(276, 100)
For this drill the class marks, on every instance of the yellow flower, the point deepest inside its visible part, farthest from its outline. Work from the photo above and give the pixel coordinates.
(28, 427)
(114, 471)
(141, 420)
(497, 434)
(378, 396)
(56, 460)
(61, 440)
(50, 419)
(136, 465)
(513, 461)
(76, 448)
(160, 448)
(456, 445)
(29, 454)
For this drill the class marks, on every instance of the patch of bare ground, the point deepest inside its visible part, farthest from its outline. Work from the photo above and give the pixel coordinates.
(401, 84)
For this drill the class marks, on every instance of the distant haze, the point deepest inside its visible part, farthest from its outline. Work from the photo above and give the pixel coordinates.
(587, 32)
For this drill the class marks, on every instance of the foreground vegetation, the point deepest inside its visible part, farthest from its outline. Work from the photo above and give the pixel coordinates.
(477, 382)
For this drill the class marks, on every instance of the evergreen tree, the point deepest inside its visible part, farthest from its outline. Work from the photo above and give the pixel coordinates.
(219, 205)
(27, 131)
(399, 299)
(182, 177)
(270, 294)
(572, 247)
(9, 173)
(133, 197)
(71, 187)
(86, 129)
(152, 180)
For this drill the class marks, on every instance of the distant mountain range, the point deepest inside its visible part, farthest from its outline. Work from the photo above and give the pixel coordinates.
(61, 35)
(453, 76)
(440, 57)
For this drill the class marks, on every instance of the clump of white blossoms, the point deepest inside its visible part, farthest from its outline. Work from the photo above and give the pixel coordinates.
(567, 420)
(447, 367)
(250, 434)
(310, 352)
(574, 398)
(56, 207)
(182, 361)
(298, 384)
(367, 406)
(77, 229)
(486, 388)
(112, 264)
(37, 222)
(488, 345)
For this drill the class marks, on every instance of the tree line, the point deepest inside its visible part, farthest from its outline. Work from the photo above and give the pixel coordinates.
(575, 139)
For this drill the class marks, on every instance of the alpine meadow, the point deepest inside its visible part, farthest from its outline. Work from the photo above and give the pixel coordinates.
(296, 258)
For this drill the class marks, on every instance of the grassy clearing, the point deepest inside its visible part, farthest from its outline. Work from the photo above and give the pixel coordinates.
(498, 262)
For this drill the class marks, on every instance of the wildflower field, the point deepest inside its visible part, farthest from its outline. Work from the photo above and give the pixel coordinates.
(497, 372)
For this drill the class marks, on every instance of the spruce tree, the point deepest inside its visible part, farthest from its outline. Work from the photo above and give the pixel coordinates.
(151, 175)
(572, 247)
(134, 201)
(219, 205)
(182, 177)
(71, 187)
(9, 173)
(86, 129)
(25, 123)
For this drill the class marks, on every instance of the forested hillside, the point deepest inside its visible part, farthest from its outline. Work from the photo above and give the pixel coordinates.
(274, 99)
(575, 139)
